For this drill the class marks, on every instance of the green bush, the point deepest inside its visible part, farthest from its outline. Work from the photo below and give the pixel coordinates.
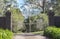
(17, 20)
(5, 34)
(52, 32)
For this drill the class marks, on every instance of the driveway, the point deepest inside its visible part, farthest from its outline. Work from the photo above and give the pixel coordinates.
(28, 36)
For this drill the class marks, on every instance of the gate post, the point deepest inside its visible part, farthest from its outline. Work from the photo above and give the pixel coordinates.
(8, 20)
(51, 18)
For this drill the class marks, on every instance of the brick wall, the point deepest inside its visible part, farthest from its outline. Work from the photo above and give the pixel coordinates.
(53, 20)
(57, 21)
(5, 22)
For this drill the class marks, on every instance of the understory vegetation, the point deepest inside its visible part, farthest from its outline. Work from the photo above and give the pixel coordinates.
(17, 20)
(6, 34)
(52, 32)
(37, 23)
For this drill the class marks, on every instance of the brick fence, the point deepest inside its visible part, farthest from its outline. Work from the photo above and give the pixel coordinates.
(5, 22)
(53, 20)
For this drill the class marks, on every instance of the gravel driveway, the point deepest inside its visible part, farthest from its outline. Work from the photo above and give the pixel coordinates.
(29, 36)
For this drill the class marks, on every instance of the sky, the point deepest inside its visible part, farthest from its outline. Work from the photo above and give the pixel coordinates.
(26, 11)
(20, 3)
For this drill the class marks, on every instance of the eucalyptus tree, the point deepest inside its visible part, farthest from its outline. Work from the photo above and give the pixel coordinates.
(1, 6)
(6, 3)
(44, 4)
(57, 8)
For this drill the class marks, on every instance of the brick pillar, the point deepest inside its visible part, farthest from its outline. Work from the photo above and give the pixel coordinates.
(8, 20)
(51, 18)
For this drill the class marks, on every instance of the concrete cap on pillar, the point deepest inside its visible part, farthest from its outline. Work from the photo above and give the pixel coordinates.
(50, 8)
(8, 9)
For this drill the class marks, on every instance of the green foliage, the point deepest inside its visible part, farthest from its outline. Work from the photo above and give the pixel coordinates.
(6, 34)
(17, 15)
(52, 32)
(44, 22)
(45, 18)
(4, 4)
(35, 23)
(17, 20)
(57, 8)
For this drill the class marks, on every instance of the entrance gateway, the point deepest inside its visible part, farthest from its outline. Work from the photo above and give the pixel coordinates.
(6, 23)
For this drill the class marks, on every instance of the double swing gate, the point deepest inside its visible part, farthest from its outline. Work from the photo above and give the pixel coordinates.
(28, 26)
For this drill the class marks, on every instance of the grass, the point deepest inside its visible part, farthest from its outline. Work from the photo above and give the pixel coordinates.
(38, 32)
(35, 33)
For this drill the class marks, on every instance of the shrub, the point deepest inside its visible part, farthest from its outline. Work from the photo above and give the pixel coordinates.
(5, 34)
(17, 20)
(52, 32)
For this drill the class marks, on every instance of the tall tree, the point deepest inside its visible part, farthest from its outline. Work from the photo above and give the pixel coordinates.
(44, 4)
(5, 3)
(57, 8)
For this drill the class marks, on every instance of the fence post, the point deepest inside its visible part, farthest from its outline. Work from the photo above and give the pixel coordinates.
(51, 18)
(8, 20)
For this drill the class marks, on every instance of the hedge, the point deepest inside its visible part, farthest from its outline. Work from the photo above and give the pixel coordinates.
(5, 34)
(52, 32)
